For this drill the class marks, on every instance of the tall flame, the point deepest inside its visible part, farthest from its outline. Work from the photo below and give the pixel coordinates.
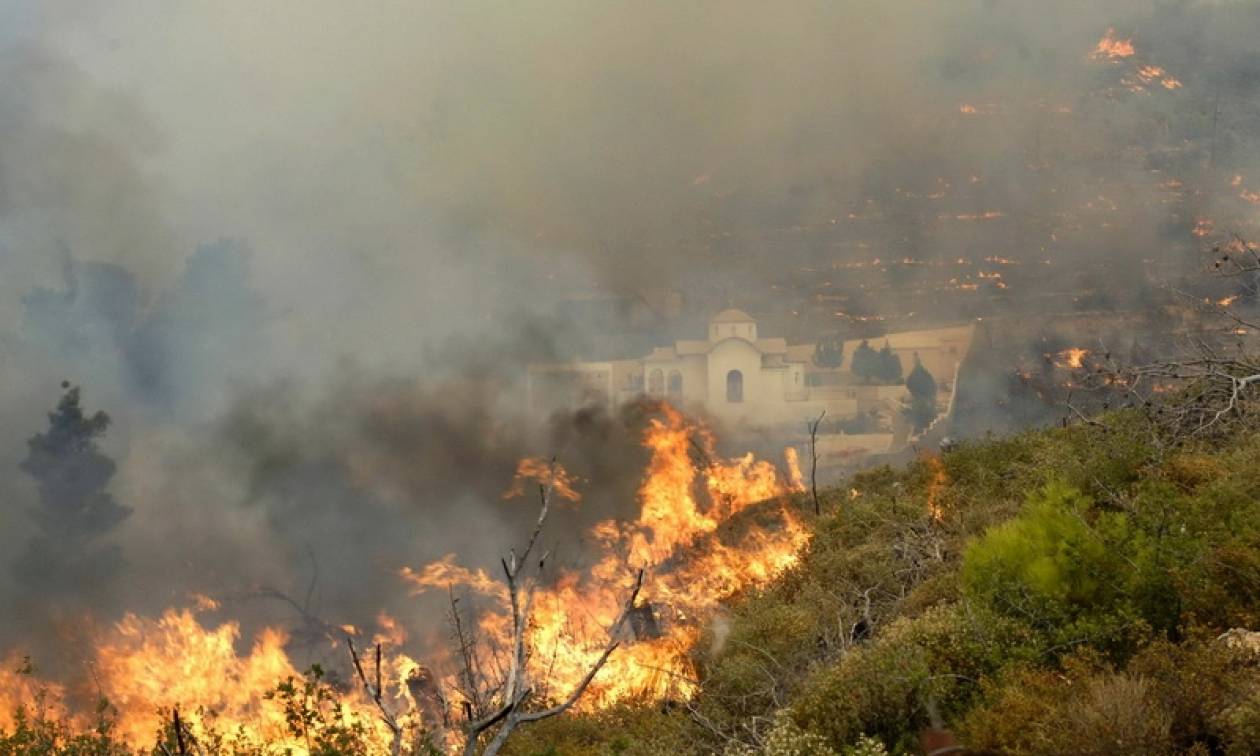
(688, 498)
(689, 537)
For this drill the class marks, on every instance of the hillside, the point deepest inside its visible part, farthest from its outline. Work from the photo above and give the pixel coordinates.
(1059, 591)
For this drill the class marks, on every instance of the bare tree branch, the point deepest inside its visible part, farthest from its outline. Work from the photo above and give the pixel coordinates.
(375, 693)
(516, 686)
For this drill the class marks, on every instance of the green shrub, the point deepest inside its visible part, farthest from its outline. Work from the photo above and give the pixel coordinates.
(630, 729)
(884, 688)
(1047, 563)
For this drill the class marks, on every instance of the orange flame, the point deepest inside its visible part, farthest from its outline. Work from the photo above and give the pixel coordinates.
(939, 480)
(546, 474)
(1073, 357)
(1111, 48)
(688, 535)
(688, 495)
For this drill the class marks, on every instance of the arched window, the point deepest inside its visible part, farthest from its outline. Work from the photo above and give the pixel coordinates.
(734, 386)
(656, 382)
(675, 384)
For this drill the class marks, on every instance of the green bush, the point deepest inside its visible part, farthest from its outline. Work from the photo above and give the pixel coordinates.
(885, 688)
(1078, 574)
(1046, 563)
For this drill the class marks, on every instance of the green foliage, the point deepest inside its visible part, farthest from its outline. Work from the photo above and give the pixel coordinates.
(1048, 561)
(313, 713)
(1066, 599)
(34, 732)
(886, 688)
(1074, 572)
(631, 729)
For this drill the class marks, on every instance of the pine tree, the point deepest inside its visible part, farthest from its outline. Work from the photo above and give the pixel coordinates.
(74, 510)
(889, 365)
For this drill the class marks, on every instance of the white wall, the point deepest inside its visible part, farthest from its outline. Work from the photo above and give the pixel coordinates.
(694, 376)
(719, 331)
(735, 354)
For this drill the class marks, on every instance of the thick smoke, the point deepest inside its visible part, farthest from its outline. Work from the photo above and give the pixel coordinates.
(300, 252)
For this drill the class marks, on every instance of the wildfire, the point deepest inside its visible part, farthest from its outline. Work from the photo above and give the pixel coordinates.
(146, 667)
(1073, 358)
(1112, 48)
(546, 474)
(694, 549)
(939, 480)
(1141, 75)
(689, 537)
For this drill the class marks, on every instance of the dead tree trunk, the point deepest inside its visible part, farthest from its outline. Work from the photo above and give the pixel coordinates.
(375, 691)
(515, 686)
(813, 454)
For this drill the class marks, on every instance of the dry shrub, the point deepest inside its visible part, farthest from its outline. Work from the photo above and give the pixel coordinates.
(1084, 709)
(1116, 714)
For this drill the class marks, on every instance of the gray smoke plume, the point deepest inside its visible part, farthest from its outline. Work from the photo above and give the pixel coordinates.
(302, 251)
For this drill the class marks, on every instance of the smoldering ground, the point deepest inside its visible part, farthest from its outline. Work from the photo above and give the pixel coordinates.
(409, 189)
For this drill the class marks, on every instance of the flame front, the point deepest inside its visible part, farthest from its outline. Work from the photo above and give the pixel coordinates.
(688, 499)
(144, 668)
(688, 537)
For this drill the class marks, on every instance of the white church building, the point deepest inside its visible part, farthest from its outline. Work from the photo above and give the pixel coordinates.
(744, 379)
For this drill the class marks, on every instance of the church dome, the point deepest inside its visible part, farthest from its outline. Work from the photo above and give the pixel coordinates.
(732, 316)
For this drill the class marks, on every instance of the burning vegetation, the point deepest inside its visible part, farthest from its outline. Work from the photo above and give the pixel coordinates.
(562, 196)
(709, 528)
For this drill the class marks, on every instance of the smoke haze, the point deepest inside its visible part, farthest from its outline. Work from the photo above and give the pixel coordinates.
(301, 251)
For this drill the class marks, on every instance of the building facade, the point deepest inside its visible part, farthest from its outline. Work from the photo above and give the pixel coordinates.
(743, 379)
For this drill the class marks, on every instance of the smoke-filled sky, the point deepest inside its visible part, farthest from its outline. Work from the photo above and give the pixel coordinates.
(299, 250)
